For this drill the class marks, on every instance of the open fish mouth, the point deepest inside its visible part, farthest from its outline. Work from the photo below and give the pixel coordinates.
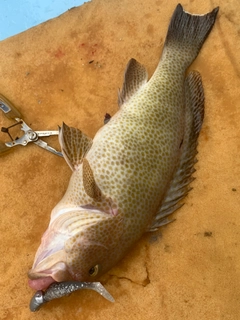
(50, 263)
(51, 269)
(42, 280)
(58, 290)
(41, 283)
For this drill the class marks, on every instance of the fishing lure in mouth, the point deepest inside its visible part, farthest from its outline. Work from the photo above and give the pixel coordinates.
(58, 290)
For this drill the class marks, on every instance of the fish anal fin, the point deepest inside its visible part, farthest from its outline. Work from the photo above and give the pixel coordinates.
(179, 186)
(74, 144)
(195, 100)
(134, 78)
(89, 183)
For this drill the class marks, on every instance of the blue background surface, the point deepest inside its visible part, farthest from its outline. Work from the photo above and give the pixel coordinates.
(20, 15)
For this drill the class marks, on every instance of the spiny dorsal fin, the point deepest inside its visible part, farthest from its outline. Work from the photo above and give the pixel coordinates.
(74, 144)
(179, 187)
(135, 76)
(89, 183)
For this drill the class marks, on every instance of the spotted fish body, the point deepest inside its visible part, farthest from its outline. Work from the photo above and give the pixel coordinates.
(132, 175)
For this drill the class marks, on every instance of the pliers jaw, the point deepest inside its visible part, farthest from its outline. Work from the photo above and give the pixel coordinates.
(30, 135)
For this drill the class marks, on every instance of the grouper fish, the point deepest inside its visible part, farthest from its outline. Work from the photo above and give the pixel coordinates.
(136, 170)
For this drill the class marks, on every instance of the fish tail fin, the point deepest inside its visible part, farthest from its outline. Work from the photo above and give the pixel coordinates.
(179, 186)
(187, 33)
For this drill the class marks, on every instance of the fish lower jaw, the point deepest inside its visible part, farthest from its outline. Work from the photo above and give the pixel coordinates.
(41, 283)
(40, 280)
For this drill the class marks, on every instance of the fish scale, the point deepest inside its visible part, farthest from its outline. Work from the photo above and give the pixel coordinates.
(138, 167)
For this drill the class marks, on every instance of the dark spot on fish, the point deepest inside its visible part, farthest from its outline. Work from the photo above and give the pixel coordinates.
(91, 61)
(207, 234)
(234, 189)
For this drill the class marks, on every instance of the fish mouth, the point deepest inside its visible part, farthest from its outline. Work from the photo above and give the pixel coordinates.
(51, 269)
(50, 263)
(41, 283)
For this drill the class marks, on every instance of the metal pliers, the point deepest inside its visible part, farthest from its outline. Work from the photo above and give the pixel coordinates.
(30, 135)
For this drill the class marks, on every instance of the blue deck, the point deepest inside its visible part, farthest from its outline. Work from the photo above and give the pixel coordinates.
(18, 16)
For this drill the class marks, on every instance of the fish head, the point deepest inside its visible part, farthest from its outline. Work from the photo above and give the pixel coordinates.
(79, 245)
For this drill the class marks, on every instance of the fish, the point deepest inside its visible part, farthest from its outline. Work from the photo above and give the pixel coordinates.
(136, 171)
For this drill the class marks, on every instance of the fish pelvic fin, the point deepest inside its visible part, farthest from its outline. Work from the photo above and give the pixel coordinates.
(89, 183)
(134, 78)
(179, 186)
(74, 144)
(187, 33)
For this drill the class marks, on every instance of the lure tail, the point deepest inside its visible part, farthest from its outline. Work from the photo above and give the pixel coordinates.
(187, 33)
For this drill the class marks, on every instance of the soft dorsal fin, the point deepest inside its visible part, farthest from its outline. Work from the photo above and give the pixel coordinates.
(89, 183)
(74, 144)
(134, 78)
(179, 186)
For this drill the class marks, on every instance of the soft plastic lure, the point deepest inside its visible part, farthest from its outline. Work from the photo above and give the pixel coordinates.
(61, 289)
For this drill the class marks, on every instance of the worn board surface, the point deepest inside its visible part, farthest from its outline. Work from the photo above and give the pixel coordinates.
(190, 269)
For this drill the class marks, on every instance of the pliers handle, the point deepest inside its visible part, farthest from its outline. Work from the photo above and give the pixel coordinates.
(10, 112)
(8, 108)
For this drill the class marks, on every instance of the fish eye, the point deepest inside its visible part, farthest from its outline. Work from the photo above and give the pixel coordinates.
(94, 271)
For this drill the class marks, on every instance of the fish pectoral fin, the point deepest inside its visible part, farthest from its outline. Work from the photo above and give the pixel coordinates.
(179, 186)
(89, 183)
(74, 144)
(93, 191)
(134, 78)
